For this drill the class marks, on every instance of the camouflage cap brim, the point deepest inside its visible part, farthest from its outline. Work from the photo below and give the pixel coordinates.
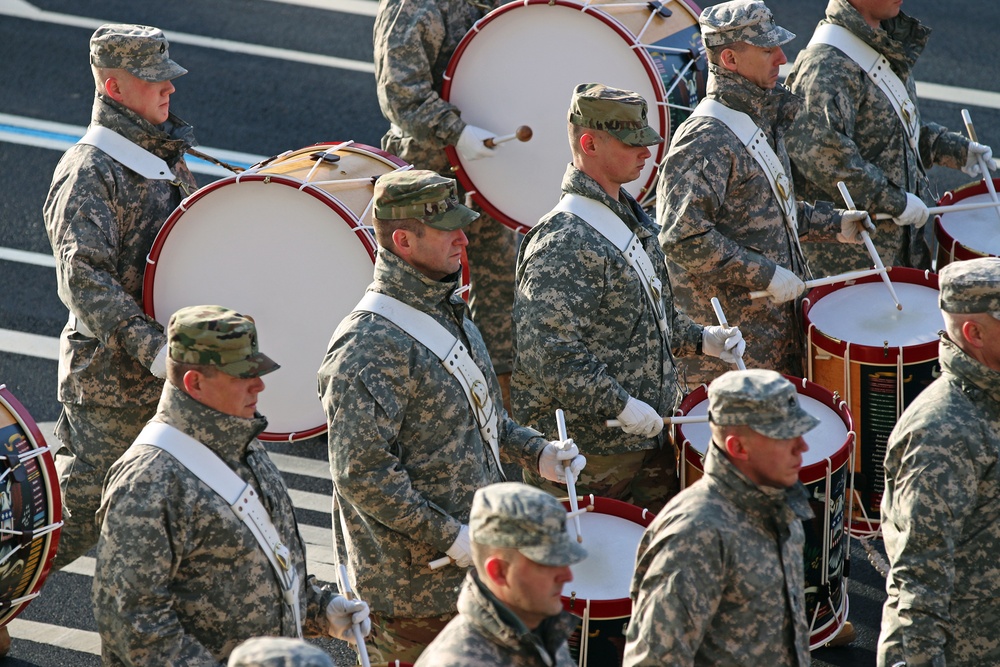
(798, 423)
(560, 554)
(255, 366)
(162, 71)
(776, 37)
(646, 136)
(458, 217)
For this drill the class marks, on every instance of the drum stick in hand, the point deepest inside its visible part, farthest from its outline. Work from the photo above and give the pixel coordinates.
(721, 316)
(667, 421)
(829, 280)
(987, 178)
(345, 590)
(948, 208)
(570, 480)
(871, 247)
(523, 133)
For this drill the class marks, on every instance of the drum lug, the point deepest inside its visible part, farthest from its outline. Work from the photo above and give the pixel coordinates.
(885, 349)
(659, 8)
(325, 157)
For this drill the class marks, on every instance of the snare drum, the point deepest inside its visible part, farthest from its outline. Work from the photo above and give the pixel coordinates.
(501, 88)
(967, 234)
(282, 242)
(827, 477)
(30, 508)
(877, 359)
(599, 592)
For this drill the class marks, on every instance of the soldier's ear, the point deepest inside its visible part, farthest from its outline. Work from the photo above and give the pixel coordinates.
(496, 570)
(735, 447)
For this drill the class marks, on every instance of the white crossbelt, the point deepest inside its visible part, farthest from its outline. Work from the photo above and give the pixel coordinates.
(610, 226)
(205, 464)
(454, 357)
(878, 70)
(133, 156)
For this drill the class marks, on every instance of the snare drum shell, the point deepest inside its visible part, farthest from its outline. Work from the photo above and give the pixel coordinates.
(948, 226)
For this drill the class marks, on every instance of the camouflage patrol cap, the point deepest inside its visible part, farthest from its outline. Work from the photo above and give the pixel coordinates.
(763, 400)
(620, 113)
(140, 50)
(217, 336)
(972, 286)
(278, 652)
(424, 195)
(747, 21)
(522, 517)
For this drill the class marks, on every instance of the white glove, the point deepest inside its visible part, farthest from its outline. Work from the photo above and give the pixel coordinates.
(852, 223)
(343, 614)
(461, 550)
(552, 462)
(726, 343)
(640, 418)
(972, 161)
(158, 366)
(915, 212)
(470, 144)
(784, 285)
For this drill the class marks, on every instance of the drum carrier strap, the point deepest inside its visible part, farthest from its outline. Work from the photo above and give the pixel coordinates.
(755, 142)
(606, 223)
(454, 357)
(878, 70)
(205, 464)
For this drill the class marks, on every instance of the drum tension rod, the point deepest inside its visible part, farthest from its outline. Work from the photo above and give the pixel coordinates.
(14, 463)
(325, 157)
(657, 7)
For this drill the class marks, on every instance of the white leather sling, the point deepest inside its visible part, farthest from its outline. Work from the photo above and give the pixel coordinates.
(133, 156)
(206, 465)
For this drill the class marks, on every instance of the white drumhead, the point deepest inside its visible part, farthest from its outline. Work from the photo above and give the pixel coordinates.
(520, 68)
(978, 230)
(824, 441)
(866, 315)
(291, 260)
(606, 573)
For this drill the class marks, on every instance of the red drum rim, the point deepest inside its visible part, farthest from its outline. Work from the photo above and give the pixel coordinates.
(619, 607)
(47, 468)
(870, 354)
(956, 250)
(808, 474)
(657, 106)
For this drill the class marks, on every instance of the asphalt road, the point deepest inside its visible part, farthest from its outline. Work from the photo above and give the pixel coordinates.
(268, 76)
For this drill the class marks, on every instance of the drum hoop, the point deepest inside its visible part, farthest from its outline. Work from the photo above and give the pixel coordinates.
(47, 469)
(602, 610)
(659, 106)
(871, 355)
(957, 250)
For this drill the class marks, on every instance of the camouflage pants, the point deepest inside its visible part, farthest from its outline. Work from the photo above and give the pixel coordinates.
(645, 479)
(492, 254)
(402, 639)
(93, 438)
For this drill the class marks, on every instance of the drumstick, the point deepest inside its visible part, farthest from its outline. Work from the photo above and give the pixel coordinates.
(721, 316)
(438, 563)
(949, 208)
(523, 133)
(570, 481)
(871, 246)
(982, 163)
(345, 588)
(696, 419)
(829, 280)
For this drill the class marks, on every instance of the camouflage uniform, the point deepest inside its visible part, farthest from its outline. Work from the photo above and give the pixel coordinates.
(159, 593)
(848, 131)
(414, 42)
(278, 652)
(587, 338)
(723, 230)
(406, 454)
(941, 506)
(101, 218)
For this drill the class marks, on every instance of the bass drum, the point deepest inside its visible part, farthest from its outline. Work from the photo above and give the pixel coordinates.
(967, 234)
(499, 88)
(30, 508)
(283, 242)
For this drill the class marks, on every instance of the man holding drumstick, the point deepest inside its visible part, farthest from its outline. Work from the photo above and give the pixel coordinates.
(851, 130)
(416, 423)
(729, 216)
(941, 506)
(596, 335)
(719, 576)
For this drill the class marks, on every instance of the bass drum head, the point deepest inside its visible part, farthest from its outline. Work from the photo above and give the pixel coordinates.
(500, 88)
(281, 250)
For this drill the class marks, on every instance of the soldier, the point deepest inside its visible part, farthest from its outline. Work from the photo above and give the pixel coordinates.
(414, 41)
(110, 195)
(189, 562)
(510, 611)
(941, 507)
(415, 419)
(595, 336)
(719, 576)
(730, 226)
(278, 652)
(850, 130)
